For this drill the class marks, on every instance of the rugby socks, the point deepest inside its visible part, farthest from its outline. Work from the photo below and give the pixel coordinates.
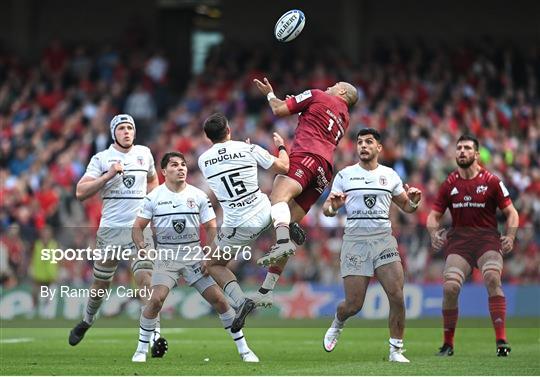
(227, 319)
(233, 290)
(450, 317)
(395, 344)
(337, 324)
(281, 215)
(274, 272)
(497, 310)
(146, 331)
(92, 308)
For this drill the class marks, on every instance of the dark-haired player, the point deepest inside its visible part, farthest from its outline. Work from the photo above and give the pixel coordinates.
(472, 194)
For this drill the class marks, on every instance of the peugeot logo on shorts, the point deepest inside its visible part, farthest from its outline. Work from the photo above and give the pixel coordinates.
(370, 200)
(179, 225)
(129, 180)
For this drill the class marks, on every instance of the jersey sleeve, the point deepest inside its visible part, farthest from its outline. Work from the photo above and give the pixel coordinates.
(398, 185)
(300, 102)
(502, 196)
(337, 185)
(262, 156)
(206, 211)
(441, 201)
(147, 208)
(151, 164)
(94, 167)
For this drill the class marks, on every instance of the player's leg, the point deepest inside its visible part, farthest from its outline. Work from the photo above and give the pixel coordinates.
(456, 270)
(103, 273)
(142, 274)
(149, 320)
(284, 189)
(214, 296)
(355, 292)
(491, 265)
(391, 277)
(264, 296)
(356, 270)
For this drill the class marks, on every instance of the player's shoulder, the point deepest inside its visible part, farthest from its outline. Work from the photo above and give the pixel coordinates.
(489, 176)
(347, 170)
(155, 193)
(452, 178)
(192, 190)
(137, 148)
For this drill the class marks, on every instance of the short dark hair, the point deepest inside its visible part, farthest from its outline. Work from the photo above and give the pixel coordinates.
(167, 157)
(215, 127)
(370, 131)
(469, 137)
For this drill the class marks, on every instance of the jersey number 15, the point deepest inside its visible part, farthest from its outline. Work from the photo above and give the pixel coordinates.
(229, 182)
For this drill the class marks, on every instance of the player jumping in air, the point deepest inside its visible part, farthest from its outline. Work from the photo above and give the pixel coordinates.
(230, 168)
(176, 210)
(323, 121)
(123, 174)
(472, 194)
(367, 190)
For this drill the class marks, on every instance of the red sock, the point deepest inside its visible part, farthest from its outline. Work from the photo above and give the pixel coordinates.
(497, 310)
(450, 317)
(275, 270)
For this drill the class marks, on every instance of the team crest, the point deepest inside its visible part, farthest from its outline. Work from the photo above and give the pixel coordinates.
(370, 200)
(383, 181)
(481, 189)
(191, 203)
(179, 225)
(129, 180)
(140, 160)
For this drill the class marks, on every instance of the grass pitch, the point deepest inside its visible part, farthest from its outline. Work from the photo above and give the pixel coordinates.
(284, 347)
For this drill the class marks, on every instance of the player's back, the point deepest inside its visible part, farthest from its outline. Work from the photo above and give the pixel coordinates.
(323, 121)
(230, 168)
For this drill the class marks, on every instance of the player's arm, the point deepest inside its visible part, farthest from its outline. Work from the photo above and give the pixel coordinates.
(152, 182)
(408, 200)
(279, 107)
(137, 231)
(512, 223)
(437, 234)
(333, 203)
(210, 228)
(88, 186)
(281, 163)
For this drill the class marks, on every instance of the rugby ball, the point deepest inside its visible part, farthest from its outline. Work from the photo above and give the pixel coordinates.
(290, 25)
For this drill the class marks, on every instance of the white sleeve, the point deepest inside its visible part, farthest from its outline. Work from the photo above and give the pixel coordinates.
(147, 209)
(151, 165)
(398, 185)
(94, 167)
(206, 211)
(262, 156)
(337, 185)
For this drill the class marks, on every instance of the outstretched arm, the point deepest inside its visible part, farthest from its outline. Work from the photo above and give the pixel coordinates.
(279, 107)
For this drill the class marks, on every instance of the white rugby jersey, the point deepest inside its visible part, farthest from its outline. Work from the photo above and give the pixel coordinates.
(369, 196)
(230, 168)
(177, 216)
(123, 194)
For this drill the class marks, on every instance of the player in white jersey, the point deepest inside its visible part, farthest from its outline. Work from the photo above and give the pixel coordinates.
(230, 168)
(176, 210)
(367, 190)
(123, 174)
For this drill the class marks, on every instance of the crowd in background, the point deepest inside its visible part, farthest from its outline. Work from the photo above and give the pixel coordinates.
(55, 115)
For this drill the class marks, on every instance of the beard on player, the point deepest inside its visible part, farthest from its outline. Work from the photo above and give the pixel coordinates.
(366, 155)
(464, 162)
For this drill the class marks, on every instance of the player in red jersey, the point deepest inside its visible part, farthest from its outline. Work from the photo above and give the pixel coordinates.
(324, 119)
(472, 194)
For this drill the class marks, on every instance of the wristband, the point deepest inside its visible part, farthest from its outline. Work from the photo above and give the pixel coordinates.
(282, 148)
(413, 204)
(270, 96)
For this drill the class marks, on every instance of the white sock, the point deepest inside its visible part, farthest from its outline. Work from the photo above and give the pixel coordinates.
(270, 281)
(233, 290)
(395, 343)
(92, 307)
(281, 215)
(337, 324)
(227, 319)
(146, 331)
(157, 331)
